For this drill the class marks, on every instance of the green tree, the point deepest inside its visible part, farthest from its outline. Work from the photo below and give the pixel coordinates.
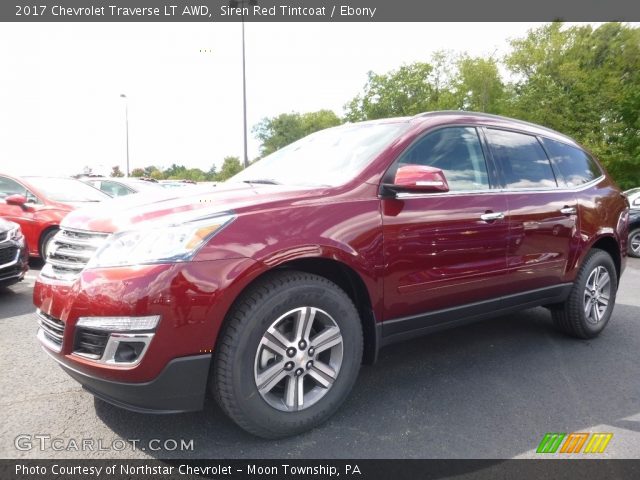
(280, 131)
(156, 175)
(116, 172)
(230, 166)
(175, 172)
(409, 90)
(137, 172)
(584, 82)
(478, 86)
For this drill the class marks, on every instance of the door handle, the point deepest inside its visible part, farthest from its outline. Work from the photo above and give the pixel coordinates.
(568, 210)
(491, 216)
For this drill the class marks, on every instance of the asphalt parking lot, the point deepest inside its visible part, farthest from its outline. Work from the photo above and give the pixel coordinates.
(488, 390)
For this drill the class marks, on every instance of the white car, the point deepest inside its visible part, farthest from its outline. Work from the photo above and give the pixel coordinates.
(634, 197)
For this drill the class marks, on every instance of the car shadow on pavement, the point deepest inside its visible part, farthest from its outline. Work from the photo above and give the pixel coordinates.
(486, 390)
(11, 304)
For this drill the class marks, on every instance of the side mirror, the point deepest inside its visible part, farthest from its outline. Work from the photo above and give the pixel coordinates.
(17, 199)
(418, 178)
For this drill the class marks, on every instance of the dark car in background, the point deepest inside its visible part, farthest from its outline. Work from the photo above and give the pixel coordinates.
(14, 258)
(118, 187)
(272, 288)
(38, 205)
(634, 232)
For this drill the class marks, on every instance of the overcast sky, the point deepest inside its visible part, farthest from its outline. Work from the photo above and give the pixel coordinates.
(60, 105)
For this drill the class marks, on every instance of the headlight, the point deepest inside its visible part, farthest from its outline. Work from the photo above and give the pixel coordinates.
(15, 234)
(171, 243)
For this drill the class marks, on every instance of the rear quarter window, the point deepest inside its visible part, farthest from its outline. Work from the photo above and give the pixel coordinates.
(575, 165)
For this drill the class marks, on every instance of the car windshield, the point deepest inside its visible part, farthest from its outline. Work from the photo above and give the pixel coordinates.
(328, 157)
(67, 190)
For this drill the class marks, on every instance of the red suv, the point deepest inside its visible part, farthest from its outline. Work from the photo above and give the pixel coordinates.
(273, 288)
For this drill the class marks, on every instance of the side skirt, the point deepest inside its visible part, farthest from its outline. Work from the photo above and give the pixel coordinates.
(404, 328)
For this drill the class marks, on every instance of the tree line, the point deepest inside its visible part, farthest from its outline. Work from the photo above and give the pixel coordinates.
(580, 80)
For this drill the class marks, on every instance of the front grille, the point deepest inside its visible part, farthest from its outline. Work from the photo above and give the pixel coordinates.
(51, 330)
(8, 255)
(70, 252)
(90, 343)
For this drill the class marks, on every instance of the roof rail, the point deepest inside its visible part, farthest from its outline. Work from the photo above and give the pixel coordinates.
(490, 115)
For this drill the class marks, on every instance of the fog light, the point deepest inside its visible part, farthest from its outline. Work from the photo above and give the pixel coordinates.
(128, 352)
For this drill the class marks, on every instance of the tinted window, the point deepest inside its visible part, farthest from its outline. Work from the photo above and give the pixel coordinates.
(457, 152)
(573, 164)
(522, 160)
(9, 187)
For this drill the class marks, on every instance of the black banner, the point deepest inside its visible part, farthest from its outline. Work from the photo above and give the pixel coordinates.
(316, 10)
(316, 469)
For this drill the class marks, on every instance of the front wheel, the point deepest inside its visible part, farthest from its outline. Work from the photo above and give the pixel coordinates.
(288, 355)
(588, 308)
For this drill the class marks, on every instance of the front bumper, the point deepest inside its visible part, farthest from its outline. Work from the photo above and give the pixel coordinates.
(16, 264)
(180, 387)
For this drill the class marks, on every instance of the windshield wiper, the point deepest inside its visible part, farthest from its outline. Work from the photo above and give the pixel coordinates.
(265, 181)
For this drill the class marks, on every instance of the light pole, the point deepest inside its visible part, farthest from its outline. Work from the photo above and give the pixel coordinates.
(235, 4)
(126, 123)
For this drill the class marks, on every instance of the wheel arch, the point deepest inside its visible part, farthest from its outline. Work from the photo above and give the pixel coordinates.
(610, 245)
(345, 277)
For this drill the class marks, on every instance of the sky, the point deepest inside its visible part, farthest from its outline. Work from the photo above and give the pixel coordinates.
(60, 84)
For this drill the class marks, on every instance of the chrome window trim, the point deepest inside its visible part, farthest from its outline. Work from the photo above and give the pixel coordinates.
(584, 186)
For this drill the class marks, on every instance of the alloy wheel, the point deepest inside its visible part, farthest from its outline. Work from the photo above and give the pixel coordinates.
(298, 359)
(596, 294)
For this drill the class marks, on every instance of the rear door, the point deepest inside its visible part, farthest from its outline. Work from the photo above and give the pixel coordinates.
(444, 250)
(542, 213)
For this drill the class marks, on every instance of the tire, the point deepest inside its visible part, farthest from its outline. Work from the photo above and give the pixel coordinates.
(572, 316)
(45, 240)
(634, 243)
(267, 314)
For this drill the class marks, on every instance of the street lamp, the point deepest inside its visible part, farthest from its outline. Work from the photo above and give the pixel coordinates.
(126, 123)
(235, 4)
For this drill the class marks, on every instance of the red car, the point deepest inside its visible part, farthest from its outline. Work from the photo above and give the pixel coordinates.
(273, 288)
(38, 205)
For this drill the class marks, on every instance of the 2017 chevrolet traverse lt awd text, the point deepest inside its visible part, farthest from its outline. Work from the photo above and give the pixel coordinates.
(273, 288)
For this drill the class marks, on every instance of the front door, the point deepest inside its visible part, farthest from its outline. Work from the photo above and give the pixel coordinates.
(445, 250)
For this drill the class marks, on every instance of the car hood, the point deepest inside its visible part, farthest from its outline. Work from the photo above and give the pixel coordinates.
(173, 206)
(6, 225)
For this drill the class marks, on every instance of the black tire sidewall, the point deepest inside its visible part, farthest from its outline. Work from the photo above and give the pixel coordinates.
(248, 399)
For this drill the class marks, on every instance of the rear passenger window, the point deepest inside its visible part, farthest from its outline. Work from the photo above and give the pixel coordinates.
(457, 152)
(576, 166)
(522, 160)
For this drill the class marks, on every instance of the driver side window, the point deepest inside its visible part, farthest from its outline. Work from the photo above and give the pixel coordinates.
(457, 152)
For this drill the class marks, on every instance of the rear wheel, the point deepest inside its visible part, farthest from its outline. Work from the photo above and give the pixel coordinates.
(588, 308)
(288, 356)
(634, 243)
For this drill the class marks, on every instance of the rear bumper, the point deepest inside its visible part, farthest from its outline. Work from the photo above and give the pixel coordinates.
(180, 387)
